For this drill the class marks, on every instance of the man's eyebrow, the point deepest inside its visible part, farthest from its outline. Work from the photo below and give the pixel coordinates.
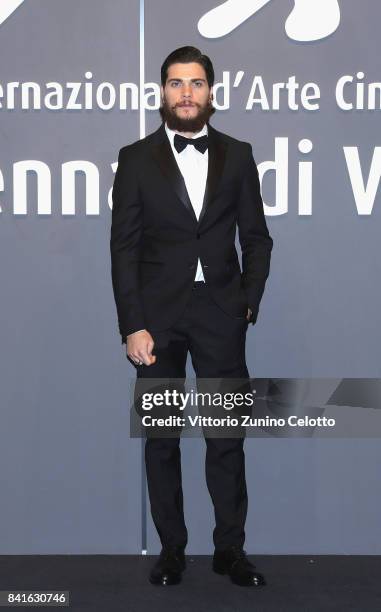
(178, 79)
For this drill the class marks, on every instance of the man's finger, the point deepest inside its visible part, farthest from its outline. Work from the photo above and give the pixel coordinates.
(143, 356)
(134, 358)
(147, 358)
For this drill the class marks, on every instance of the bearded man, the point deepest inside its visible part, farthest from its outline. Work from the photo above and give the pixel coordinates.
(178, 197)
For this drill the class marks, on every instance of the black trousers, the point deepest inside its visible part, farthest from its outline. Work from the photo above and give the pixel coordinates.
(216, 343)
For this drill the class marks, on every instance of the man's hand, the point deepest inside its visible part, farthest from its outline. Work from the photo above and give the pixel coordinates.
(139, 347)
(249, 313)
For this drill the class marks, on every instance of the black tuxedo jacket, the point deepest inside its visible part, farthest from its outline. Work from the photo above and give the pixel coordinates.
(156, 238)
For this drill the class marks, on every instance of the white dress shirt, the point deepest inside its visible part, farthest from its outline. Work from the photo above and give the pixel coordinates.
(193, 165)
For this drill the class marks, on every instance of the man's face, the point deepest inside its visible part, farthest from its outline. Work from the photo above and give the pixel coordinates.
(186, 98)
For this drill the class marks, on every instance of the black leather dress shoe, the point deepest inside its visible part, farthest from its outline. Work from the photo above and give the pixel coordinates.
(233, 561)
(167, 569)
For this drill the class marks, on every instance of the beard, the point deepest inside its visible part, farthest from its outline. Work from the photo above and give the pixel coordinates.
(185, 124)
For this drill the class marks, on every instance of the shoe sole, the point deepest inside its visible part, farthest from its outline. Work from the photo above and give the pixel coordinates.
(222, 571)
(170, 582)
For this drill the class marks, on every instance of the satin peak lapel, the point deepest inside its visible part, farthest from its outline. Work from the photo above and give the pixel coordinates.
(216, 162)
(163, 154)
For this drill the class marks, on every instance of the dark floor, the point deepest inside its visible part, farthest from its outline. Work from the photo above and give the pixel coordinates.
(111, 583)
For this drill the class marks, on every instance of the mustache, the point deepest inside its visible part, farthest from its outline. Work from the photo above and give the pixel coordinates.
(186, 104)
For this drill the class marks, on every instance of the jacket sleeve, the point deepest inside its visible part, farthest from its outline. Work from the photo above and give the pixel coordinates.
(126, 230)
(255, 240)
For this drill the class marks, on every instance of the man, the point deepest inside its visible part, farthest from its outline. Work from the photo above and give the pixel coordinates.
(178, 196)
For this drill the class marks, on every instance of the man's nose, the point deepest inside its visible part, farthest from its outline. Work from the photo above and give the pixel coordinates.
(186, 90)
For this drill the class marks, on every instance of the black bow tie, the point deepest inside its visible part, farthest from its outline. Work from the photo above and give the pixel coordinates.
(200, 143)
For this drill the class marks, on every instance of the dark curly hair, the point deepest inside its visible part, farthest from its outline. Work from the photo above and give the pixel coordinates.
(185, 55)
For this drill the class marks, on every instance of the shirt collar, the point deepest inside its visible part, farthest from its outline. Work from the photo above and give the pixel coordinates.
(171, 133)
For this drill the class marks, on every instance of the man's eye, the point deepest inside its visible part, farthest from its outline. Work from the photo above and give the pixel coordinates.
(175, 83)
